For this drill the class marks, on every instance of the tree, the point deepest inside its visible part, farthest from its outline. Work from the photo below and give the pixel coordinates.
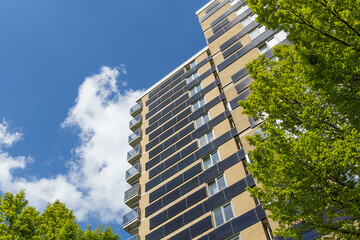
(309, 101)
(57, 222)
(326, 38)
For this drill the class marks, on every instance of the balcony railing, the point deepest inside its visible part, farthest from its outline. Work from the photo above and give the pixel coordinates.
(134, 136)
(131, 217)
(132, 172)
(132, 193)
(135, 237)
(135, 108)
(134, 153)
(134, 122)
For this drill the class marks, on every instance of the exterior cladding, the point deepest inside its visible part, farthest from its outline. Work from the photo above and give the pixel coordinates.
(190, 161)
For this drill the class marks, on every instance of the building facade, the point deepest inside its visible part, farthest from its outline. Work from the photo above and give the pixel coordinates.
(188, 174)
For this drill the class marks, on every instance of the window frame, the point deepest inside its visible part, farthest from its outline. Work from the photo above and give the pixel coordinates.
(223, 214)
(198, 102)
(207, 138)
(192, 64)
(211, 159)
(202, 119)
(245, 6)
(269, 46)
(215, 180)
(235, 237)
(259, 28)
(192, 77)
(196, 89)
(250, 17)
(233, 2)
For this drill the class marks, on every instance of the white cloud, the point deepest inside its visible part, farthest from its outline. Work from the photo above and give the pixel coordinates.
(95, 183)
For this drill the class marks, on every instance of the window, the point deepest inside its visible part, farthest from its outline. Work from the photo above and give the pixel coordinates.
(276, 39)
(205, 139)
(241, 9)
(233, 2)
(198, 104)
(257, 31)
(223, 214)
(192, 77)
(248, 20)
(202, 120)
(216, 185)
(190, 65)
(211, 160)
(236, 237)
(195, 89)
(263, 48)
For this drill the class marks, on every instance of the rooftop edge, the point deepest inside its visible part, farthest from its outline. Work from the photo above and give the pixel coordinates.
(172, 73)
(205, 6)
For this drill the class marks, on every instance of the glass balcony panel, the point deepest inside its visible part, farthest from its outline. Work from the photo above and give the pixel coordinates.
(135, 237)
(132, 192)
(135, 108)
(130, 217)
(134, 135)
(135, 151)
(135, 121)
(132, 171)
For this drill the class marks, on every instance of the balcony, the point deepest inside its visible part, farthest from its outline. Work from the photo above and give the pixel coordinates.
(135, 237)
(133, 124)
(134, 154)
(132, 195)
(133, 173)
(131, 219)
(135, 109)
(135, 137)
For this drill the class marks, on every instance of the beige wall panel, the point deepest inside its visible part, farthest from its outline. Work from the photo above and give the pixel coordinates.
(201, 57)
(215, 45)
(204, 68)
(210, 32)
(212, 94)
(227, 149)
(144, 178)
(216, 110)
(245, 143)
(143, 203)
(242, 203)
(222, 128)
(273, 224)
(241, 120)
(201, 14)
(255, 231)
(230, 92)
(225, 75)
(245, 40)
(144, 229)
(235, 174)
(206, 24)
(208, 80)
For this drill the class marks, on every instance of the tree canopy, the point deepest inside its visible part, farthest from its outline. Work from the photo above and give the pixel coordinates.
(20, 221)
(309, 101)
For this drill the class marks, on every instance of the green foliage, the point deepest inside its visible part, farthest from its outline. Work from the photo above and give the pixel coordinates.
(326, 39)
(309, 101)
(99, 234)
(57, 222)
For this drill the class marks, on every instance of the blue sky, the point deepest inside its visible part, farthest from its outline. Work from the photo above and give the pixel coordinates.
(69, 71)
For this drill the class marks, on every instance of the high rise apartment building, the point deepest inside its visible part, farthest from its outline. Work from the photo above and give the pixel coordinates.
(188, 174)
